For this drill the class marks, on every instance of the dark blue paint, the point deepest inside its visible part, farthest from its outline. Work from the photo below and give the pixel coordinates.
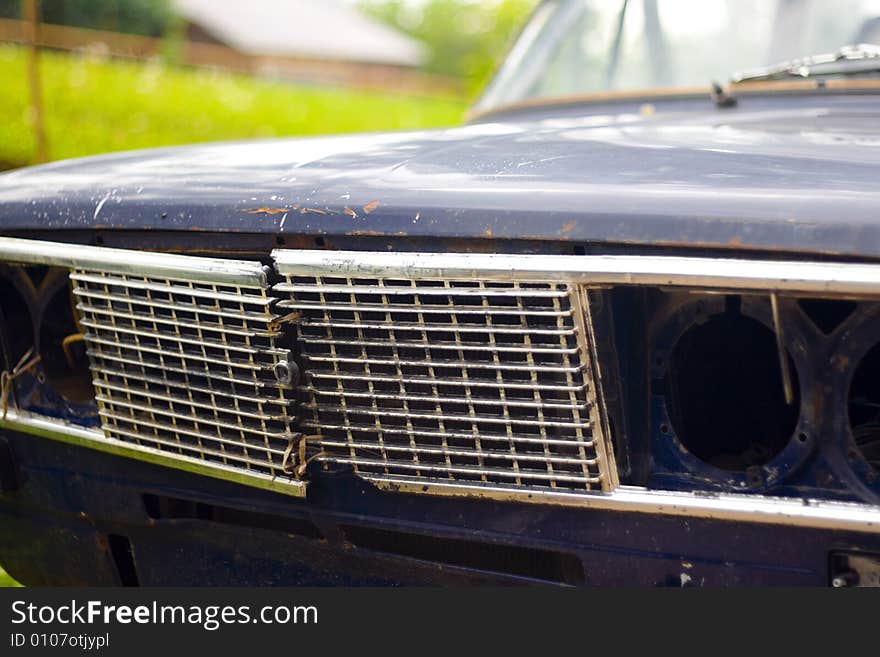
(794, 173)
(72, 498)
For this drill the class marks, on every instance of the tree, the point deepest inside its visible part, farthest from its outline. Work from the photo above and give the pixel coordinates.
(146, 17)
(465, 38)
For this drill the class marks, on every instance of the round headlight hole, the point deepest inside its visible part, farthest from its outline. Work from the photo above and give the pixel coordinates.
(725, 393)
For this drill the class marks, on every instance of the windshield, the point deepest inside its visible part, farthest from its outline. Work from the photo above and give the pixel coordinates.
(574, 47)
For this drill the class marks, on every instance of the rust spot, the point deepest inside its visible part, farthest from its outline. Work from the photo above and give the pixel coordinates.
(270, 210)
(369, 207)
(313, 211)
(488, 232)
(735, 241)
(567, 227)
(366, 233)
(275, 325)
(351, 213)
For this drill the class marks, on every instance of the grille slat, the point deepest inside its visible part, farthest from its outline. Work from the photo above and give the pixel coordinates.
(404, 327)
(482, 381)
(179, 307)
(435, 345)
(425, 380)
(165, 337)
(434, 400)
(485, 419)
(417, 434)
(127, 364)
(161, 383)
(153, 319)
(187, 366)
(444, 364)
(486, 453)
(151, 394)
(188, 449)
(501, 473)
(430, 310)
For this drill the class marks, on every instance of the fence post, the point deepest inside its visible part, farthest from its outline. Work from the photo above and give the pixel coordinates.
(31, 16)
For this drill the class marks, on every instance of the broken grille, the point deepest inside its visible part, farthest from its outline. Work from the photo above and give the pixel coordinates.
(482, 381)
(186, 367)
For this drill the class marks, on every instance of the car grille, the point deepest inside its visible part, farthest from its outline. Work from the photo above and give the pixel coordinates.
(187, 367)
(483, 381)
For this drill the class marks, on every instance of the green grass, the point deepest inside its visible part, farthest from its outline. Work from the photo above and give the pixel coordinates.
(6, 580)
(99, 105)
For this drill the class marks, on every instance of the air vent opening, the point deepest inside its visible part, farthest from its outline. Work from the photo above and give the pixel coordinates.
(728, 405)
(160, 507)
(864, 407)
(827, 314)
(63, 350)
(532, 563)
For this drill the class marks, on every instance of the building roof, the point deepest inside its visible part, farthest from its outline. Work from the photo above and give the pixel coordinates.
(314, 29)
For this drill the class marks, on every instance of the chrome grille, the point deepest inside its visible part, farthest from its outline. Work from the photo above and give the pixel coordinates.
(476, 380)
(187, 367)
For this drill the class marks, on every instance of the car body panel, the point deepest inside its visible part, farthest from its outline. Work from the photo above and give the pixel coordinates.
(793, 174)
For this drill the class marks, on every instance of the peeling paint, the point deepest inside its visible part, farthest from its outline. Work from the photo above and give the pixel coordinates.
(366, 233)
(271, 210)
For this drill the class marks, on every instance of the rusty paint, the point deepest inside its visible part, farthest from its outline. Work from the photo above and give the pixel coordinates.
(366, 233)
(369, 207)
(568, 227)
(351, 213)
(276, 324)
(270, 210)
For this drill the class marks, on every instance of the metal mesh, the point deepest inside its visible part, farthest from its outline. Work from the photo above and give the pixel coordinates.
(481, 381)
(186, 367)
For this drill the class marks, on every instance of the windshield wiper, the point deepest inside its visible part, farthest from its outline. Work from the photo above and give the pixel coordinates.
(849, 60)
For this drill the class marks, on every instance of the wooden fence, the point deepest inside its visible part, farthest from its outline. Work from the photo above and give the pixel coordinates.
(204, 55)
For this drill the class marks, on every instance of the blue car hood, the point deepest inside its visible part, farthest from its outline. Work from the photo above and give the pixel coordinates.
(797, 175)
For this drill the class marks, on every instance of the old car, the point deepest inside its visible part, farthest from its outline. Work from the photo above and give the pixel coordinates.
(620, 327)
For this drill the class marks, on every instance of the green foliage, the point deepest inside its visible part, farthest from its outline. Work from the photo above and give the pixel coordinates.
(95, 105)
(466, 38)
(147, 17)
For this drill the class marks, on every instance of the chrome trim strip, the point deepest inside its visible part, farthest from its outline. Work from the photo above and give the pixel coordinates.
(713, 273)
(71, 434)
(739, 508)
(134, 263)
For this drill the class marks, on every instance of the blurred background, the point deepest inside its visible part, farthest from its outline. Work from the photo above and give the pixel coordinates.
(79, 77)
